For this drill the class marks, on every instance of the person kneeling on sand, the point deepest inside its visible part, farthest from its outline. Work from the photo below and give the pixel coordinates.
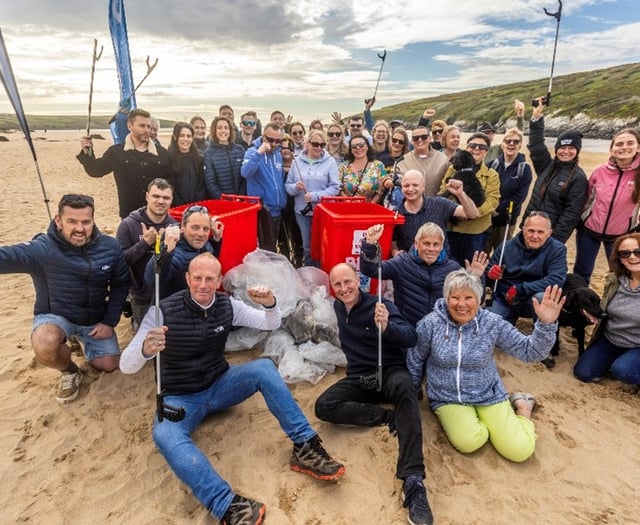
(357, 398)
(456, 343)
(191, 334)
(81, 280)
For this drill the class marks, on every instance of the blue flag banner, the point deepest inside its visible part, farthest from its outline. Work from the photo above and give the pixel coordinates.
(118, 29)
(9, 82)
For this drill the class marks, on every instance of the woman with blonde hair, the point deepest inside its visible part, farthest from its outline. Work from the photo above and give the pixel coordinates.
(313, 175)
(450, 141)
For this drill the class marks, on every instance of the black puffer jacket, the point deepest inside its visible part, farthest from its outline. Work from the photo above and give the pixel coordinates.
(560, 189)
(194, 355)
(85, 285)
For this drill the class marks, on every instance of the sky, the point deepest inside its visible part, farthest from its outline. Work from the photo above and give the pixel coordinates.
(306, 58)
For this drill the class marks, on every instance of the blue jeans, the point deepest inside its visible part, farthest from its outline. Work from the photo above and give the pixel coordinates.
(587, 249)
(238, 383)
(603, 356)
(464, 245)
(511, 312)
(304, 224)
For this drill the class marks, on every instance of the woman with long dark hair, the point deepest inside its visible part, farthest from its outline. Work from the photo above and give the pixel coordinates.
(360, 174)
(188, 181)
(222, 161)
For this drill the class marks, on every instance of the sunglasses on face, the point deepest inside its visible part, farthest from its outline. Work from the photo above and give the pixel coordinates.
(398, 141)
(625, 254)
(297, 133)
(512, 142)
(318, 144)
(359, 145)
(475, 145)
(436, 132)
(334, 134)
(355, 125)
(420, 138)
(248, 122)
(271, 140)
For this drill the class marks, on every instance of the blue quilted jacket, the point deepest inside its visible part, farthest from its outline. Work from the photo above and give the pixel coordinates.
(86, 285)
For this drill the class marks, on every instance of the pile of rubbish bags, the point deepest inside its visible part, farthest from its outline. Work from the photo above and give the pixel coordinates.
(306, 346)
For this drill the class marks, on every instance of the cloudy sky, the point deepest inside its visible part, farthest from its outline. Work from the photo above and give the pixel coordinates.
(306, 57)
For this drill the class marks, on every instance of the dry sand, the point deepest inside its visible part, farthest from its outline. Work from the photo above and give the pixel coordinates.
(93, 461)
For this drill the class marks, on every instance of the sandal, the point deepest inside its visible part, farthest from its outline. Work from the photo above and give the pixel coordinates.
(522, 395)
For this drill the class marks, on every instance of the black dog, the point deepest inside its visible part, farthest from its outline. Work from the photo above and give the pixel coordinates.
(581, 309)
(463, 163)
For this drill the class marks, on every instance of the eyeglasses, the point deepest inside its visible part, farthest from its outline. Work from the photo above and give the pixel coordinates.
(248, 122)
(318, 144)
(359, 145)
(625, 254)
(512, 142)
(196, 208)
(380, 131)
(398, 141)
(75, 200)
(436, 132)
(355, 125)
(271, 140)
(475, 145)
(296, 133)
(420, 138)
(334, 134)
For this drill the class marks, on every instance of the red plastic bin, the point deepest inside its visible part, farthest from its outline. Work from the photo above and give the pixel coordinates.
(340, 223)
(239, 214)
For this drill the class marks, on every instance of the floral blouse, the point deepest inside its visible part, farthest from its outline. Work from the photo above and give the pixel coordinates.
(366, 183)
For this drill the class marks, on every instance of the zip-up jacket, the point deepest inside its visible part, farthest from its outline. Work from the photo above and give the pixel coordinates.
(359, 335)
(265, 177)
(460, 366)
(514, 186)
(320, 177)
(222, 165)
(85, 285)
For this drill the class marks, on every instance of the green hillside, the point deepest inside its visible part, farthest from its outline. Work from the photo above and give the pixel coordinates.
(612, 93)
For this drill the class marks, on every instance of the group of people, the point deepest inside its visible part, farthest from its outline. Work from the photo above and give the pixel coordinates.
(440, 264)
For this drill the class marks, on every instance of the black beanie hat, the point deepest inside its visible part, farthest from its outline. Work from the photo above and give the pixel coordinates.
(571, 137)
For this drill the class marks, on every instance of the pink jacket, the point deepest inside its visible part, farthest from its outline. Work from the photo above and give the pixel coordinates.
(609, 209)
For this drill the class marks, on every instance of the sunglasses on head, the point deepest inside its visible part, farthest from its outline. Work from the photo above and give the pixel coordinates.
(271, 140)
(359, 145)
(317, 144)
(475, 145)
(334, 134)
(397, 141)
(420, 138)
(196, 208)
(625, 254)
(248, 122)
(512, 142)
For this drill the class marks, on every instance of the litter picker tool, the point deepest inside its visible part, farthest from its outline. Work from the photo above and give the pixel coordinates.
(164, 410)
(96, 57)
(557, 15)
(381, 56)
(125, 103)
(504, 242)
(379, 367)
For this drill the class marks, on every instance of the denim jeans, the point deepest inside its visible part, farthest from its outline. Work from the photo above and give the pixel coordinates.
(603, 356)
(587, 249)
(304, 223)
(347, 403)
(464, 245)
(511, 313)
(238, 383)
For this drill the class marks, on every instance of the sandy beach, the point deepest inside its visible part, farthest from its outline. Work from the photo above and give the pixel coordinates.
(93, 461)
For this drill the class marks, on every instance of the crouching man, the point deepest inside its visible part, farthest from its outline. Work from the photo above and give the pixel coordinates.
(193, 328)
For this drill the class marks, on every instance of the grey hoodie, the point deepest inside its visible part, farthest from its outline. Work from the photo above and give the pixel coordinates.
(459, 358)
